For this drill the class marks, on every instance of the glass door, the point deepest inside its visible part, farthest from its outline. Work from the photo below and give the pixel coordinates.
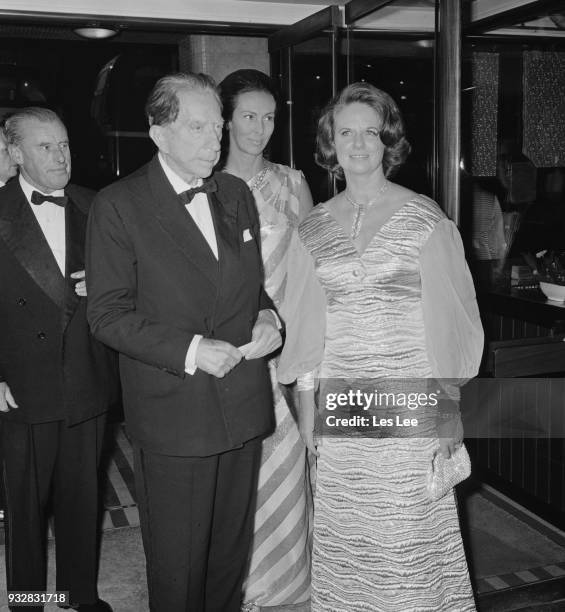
(391, 45)
(387, 43)
(304, 59)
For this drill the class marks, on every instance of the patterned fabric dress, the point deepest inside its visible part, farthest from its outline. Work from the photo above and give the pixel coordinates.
(379, 543)
(279, 571)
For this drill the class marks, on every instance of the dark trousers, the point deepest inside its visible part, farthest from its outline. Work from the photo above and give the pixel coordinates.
(43, 462)
(197, 522)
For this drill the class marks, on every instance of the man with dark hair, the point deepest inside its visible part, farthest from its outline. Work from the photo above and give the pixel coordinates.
(175, 285)
(56, 381)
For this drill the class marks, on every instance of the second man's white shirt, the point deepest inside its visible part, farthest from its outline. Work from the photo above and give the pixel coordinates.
(51, 219)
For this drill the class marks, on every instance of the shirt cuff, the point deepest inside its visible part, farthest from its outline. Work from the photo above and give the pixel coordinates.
(277, 319)
(190, 361)
(306, 381)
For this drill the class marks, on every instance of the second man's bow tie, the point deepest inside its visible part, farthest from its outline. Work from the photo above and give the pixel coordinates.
(207, 187)
(38, 198)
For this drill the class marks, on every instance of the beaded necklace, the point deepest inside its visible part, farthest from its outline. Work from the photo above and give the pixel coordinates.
(361, 209)
(258, 179)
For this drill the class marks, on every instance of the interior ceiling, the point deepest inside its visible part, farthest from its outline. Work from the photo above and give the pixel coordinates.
(49, 32)
(396, 15)
(321, 3)
(543, 17)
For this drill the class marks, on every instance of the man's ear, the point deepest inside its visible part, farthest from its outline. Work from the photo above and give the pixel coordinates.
(16, 154)
(158, 136)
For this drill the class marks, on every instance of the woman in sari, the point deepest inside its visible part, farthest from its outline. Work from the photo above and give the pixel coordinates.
(279, 567)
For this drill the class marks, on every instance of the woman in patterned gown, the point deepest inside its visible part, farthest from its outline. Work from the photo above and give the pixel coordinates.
(279, 569)
(400, 308)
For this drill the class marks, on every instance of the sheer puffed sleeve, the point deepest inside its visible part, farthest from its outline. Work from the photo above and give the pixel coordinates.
(304, 199)
(454, 334)
(304, 312)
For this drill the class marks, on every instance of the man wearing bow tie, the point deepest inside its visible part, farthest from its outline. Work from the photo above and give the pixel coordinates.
(174, 279)
(56, 381)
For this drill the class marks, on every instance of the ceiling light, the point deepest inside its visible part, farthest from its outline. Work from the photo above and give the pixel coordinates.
(96, 31)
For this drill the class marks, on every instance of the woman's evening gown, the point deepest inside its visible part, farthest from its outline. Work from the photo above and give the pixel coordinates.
(403, 309)
(279, 570)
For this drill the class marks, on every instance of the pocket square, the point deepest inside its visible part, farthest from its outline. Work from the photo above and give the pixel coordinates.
(247, 235)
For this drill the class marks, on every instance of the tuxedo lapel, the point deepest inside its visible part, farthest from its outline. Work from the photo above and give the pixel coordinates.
(177, 222)
(75, 230)
(225, 219)
(23, 236)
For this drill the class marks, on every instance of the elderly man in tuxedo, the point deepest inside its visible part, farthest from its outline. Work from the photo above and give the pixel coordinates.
(56, 381)
(174, 279)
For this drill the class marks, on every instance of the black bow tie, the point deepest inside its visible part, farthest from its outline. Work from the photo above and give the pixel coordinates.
(38, 199)
(207, 187)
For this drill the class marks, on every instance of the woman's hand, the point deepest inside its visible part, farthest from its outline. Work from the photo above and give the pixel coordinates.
(306, 418)
(265, 336)
(450, 434)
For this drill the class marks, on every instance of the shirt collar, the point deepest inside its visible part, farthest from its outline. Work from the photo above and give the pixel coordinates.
(177, 183)
(29, 189)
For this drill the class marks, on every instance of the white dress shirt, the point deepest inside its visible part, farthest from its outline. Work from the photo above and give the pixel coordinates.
(199, 210)
(51, 219)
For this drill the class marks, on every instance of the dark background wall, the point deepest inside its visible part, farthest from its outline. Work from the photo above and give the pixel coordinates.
(65, 73)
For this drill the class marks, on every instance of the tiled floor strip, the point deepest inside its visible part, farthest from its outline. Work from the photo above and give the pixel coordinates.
(514, 579)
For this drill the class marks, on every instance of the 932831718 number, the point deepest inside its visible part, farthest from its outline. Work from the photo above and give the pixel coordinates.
(33, 598)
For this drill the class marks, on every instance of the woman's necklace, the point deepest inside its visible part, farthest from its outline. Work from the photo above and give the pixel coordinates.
(359, 210)
(258, 179)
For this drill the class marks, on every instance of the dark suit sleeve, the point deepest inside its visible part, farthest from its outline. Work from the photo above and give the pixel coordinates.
(112, 288)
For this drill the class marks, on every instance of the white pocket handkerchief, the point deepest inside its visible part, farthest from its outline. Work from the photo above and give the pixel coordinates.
(247, 235)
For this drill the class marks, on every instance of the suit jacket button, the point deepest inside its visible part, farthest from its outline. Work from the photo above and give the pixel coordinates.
(21, 302)
(42, 335)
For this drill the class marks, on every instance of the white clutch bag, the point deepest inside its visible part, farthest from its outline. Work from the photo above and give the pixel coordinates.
(444, 474)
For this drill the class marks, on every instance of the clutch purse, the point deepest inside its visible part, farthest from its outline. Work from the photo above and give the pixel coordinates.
(444, 474)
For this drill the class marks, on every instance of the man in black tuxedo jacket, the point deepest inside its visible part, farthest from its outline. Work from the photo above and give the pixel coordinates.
(8, 170)
(56, 381)
(174, 279)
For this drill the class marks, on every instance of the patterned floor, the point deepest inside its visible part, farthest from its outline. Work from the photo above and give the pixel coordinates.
(120, 509)
(521, 578)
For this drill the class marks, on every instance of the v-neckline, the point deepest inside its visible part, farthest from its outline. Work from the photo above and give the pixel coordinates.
(347, 237)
